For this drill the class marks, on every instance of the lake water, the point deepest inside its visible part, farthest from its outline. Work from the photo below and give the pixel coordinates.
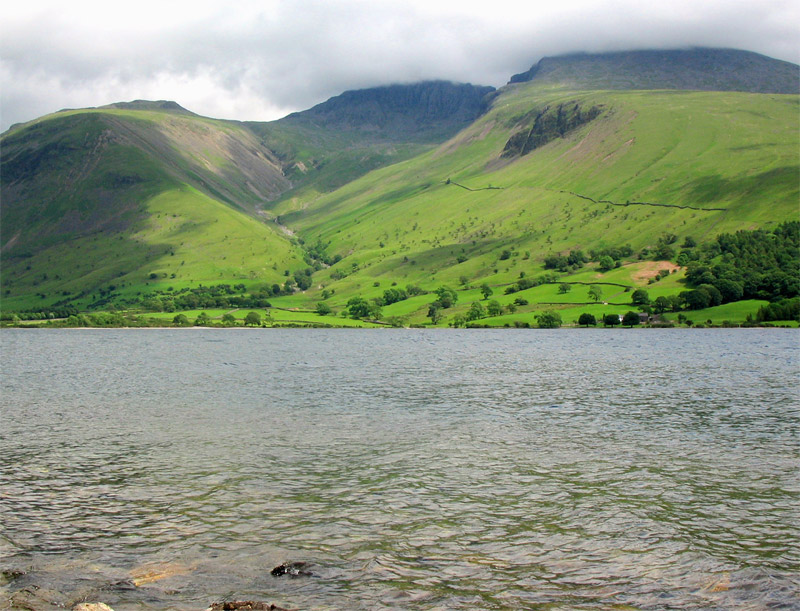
(413, 469)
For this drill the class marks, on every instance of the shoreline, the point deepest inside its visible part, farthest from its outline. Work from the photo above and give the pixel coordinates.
(384, 328)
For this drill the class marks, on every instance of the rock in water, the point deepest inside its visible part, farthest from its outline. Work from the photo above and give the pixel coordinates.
(92, 607)
(292, 569)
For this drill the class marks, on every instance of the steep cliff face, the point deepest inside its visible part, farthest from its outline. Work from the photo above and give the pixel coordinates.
(691, 69)
(540, 127)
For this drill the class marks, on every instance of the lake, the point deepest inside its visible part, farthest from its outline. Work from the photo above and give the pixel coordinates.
(411, 469)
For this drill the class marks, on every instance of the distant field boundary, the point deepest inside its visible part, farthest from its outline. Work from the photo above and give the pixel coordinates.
(606, 201)
(450, 182)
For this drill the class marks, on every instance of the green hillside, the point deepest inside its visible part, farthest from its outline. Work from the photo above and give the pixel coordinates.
(710, 162)
(532, 197)
(100, 204)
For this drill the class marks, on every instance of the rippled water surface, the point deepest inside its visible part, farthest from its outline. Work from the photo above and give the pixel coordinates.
(584, 469)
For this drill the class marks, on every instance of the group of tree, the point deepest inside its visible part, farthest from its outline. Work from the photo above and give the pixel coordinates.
(610, 257)
(397, 294)
(252, 319)
(549, 319)
(360, 308)
(526, 283)
(317, 257)
(629, 319)
(211, 297)
(49, 314)
(573, 260)
(446, 298)
(786, 309)
(757, 264)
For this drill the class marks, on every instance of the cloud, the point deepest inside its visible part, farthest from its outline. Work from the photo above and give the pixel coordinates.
(259, 60)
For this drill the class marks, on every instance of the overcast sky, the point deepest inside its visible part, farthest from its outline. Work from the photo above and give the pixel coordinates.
(259, 60)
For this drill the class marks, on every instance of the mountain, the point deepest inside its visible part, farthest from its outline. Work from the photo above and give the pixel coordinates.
(698, 69)
(425, 112)
(355, 132)
(130, 195)
(422, 185)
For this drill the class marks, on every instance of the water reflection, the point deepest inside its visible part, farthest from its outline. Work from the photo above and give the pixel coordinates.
(415, 470)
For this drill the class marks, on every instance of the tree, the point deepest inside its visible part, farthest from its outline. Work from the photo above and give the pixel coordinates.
(730, 290)
(486, 291)
(253, 319)
(435, 313)
(152, 304)
(630, 319)
(587, 319)
(715, 297)
(564, 287)
(374, 309)
(180, 320)
(476, 311)
(202, 320)
(605, 263)
(548, 320)
(394, 295)
(640, 297)
(323, 309)
(609, 320)
(595, 292)
(228, 319)
(358, 307)
(446, 297)
(458, 321)
(696, 299)
(493, 308)
(661, 304)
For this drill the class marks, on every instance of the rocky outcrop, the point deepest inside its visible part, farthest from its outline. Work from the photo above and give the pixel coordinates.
(540, 127)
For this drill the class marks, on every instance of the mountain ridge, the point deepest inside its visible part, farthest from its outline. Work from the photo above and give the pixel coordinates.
(696, 69)
(399, 109)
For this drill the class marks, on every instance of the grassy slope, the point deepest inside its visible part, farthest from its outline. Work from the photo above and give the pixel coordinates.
(188, 234)
(100, 233)
(709, 150)
(403, 224)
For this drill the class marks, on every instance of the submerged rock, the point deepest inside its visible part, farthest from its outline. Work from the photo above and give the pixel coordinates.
(292, 569)
(245, 605)
(92, 607)
(150, 573)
